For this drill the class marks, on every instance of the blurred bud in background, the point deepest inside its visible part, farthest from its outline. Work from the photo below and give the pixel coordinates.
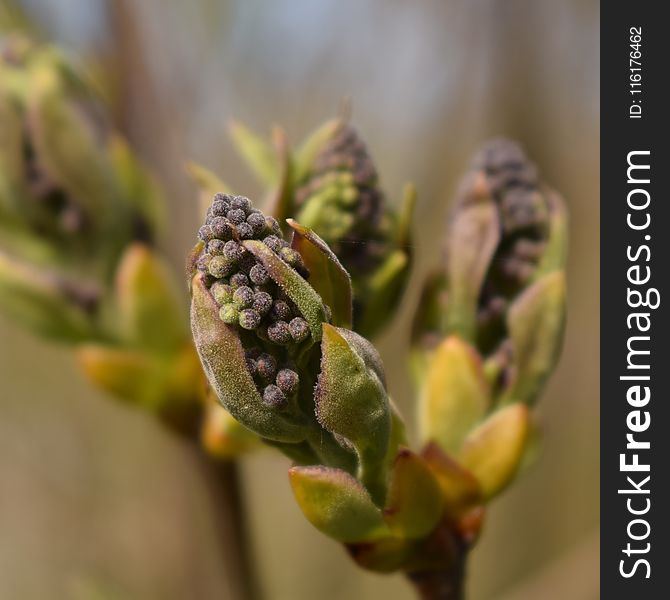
(78, 221)
(489, 326)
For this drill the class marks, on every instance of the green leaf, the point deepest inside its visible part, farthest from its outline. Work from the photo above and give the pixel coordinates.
(351, 402)
(326, 274)
(403, 233)
(455, 394)
(415, 503)
(494, 451)
(556, 250)
(382, 293)
(150, 314)
(336, 504)
(224, 362)
(536, 321)
(304, 296)
(312, 147)
(473, 238)
(259, 154)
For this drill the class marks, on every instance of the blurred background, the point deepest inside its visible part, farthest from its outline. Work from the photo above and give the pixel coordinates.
(96, 496)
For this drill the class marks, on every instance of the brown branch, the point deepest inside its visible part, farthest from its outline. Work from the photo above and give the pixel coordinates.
(222, 479)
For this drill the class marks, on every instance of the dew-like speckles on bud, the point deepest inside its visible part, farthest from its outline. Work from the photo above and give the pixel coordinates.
(266, 366)
(243, 297)
(266, 318)
(262, 302)
(236, 216)
(281, 311)
(228, 314)
(279, 333)
(222, 292)
(241, 203)
(258, 275)
(273, 396)
(287, 381)
(273, 242)
(232, 250)
(299, 329)
(249, 318)
(239, 280)
(257, 223)
(221, 228)
(220, 266)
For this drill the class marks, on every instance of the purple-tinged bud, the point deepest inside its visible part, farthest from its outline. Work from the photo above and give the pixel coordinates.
(221, 228)
(205, 233)
(202, 263)
(273, 396)
(220, 266)
(241, 203)
(238, 280)
(258, 275)
(243, 297)
(249, 319)
(273, 242)
(257, 223)
(232, 250)
(236, 216)
(279, 333)
(245, 231)
(287, 381)
(266, 365)
(281, 311)
(262, 303)
(215, 247)
(299, 329)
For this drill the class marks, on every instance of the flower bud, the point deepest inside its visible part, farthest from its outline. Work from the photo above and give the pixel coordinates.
(340, 199)
(506, 235)
(66, 177)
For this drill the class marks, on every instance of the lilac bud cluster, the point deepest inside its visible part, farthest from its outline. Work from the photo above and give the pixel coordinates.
(345, 174)
(247, 296)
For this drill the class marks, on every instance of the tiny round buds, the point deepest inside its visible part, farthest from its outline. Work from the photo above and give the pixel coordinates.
(241, 203)
(299, 329)
(266, 365)
(262, 302)
(222, 293)
(258, 275)
(249, 319)
(273, 396)
(281, 311)
(219, 266)
(228, 314)
(232, 250)
(236, 216)
(279, 333)
(238, 280)
(273, 242)
(221, 228)
(287, 381)
(257, 223)
(243, 297)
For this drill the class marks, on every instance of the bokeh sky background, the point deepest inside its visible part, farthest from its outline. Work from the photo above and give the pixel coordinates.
(97, 495)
